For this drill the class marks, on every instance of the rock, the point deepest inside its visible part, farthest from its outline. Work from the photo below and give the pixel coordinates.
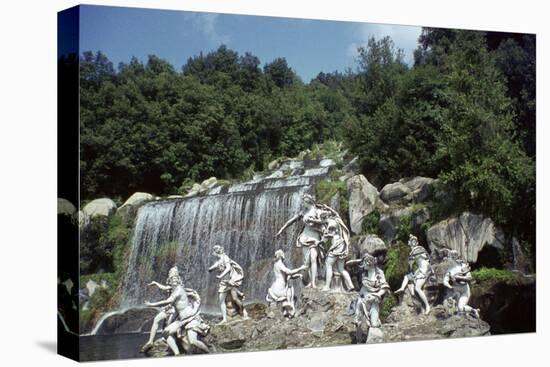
(273, 165)
(129, 209)
(421, 188)
(327, 163)
(389, 222)
(363, 200)
(175, 197)
(334, 202)
(65, 207)
(396, 193)
(371, 244)
(419, 217)
(375, 335)
(467, 234)
(509, 307)
(83, 219)
(100, 207)
(91, 286)
(208, 183)
(406, 323)
(352, 166)
(195, 189)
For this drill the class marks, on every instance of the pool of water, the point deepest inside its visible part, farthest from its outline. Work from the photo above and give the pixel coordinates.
(117, 346)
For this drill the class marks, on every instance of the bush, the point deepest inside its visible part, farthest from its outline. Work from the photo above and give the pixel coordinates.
(388, 303)
(370, 223)
(396, 264)
(494, 275)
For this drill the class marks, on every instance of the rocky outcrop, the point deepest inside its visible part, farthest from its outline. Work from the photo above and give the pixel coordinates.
(509, 307)
(100, 207)
(406, 323)
(389, 223)
(370, 244)
(467, 234)
(129, 209)
(396, 193)
(363, 200)
(421, 188)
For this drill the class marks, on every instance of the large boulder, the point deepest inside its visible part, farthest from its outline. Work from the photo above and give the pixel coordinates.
(371, 244)
(396, 192)
(129, 209)
(65, 207)
(363, 200)
(389, 223)
(467, 234)
(208, 183)
(100, 207)
(421, 188)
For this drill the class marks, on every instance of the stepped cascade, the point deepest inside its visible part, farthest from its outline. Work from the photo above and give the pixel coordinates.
(242, 218)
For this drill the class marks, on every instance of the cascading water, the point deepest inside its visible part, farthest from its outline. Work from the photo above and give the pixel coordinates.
(243, 219)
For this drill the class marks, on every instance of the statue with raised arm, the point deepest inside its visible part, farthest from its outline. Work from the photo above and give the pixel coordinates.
(313, 218)
(336, 236)
(165, 314)
(457, 279)
(281, 291)
(373, 288)
(419, 271)
(187, 319)
(231, 277)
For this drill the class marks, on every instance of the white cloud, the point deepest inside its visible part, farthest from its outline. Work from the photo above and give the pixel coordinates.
(404, 37)
(207, 24)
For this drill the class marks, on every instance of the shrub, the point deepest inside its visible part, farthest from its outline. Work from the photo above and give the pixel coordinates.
(494, 275)
(370, 223)
(396, 264)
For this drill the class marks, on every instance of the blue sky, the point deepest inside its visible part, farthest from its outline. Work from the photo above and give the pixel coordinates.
(310, 46)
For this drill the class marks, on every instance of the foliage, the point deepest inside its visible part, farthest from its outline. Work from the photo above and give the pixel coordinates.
(389, 302)
(494, 275)
(370, 223)
(397, 264)
(404, 228)
(325, 191)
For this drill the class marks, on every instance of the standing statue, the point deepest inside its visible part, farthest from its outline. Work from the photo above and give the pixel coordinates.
(419, 271)
(282, 291)
(186, 304)
(336, 235)
(231, 277)
(313, 217)
(458, 279)
(373, 288)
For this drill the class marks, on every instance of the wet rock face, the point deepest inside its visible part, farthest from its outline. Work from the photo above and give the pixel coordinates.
(132, 320)
(508, 308)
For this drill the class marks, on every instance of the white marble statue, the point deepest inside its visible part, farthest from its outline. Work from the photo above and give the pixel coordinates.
(231, 277)
(165, 314)
(281, 291)
(313, 217)
(458, 279)
(186, 320)
(373, 288)
(336, 236)
(419, 271)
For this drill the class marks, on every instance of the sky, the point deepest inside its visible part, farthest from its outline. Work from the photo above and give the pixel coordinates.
(309, 46)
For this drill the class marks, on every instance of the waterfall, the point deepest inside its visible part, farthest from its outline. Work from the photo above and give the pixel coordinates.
(242, 218)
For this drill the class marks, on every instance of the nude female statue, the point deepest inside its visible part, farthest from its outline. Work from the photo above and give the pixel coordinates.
(373, 289)
(231, 277)
(312, 216)
(458, 279)
(419, 271)
(281, 291)
(186, 303)
(166, 313)
(337, 235)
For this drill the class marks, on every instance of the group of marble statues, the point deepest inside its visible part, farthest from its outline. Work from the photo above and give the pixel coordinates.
(326, 238)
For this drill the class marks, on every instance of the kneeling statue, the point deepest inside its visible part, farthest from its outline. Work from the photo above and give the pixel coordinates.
(282, 291)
